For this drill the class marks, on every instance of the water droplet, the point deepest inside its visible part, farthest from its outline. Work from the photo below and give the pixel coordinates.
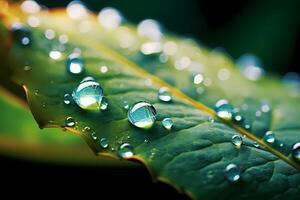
(167, 123)
(200, 90)
(55, 55)
(255, 144)
(21, 34)
(30, 6)
(142, 115)
(125, 151)
(63, 39)
(251, 67)
(247, 126)
(125, 105)
(104, 104)
(76, 10)
(149, 28)
(258, 113)
(67, 99)
(70, 122)
(103, 69)
(223, 74)
(238, 118)
(148, 82)
(164, 94)
(110, 18)
(296, 151)
(182, 63)
(33, 21)
(211, 119)
(224, 109)
(88, 95)
(269, 137)
(265, 108)
(27, 68)
(75, 64)
(232, 173)
(237, 141)
(163, 58)
(49, 34)
(198, 79)
(104, 143)
(149, 48)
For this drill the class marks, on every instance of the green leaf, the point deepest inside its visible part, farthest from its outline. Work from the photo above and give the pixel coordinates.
(194, 154)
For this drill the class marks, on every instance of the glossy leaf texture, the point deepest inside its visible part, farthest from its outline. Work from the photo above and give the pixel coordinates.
(197, 154)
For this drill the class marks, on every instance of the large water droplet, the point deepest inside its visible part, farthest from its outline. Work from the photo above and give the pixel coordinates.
(104, 143)
(149, 28)
(70, 122)
(76, 10)
(21, 34)
(164, 94)
(232, 173)
(67, 99)
(224, 109)
(75, 64)
(167, 123)
(142, 115)
(269, 137)
(109, 18)
(296, 151)
(88, 95)
(237, 141)
(125, 151)
(251, 67)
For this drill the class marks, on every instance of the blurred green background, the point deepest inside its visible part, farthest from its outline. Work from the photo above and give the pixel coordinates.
(268, 28)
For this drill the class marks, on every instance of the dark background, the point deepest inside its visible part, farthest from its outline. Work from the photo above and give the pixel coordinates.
(267, 28)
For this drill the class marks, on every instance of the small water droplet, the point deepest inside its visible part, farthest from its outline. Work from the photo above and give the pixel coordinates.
(76, 10)
(125, 151)
(211, 119)
(75, 64)
(149, 48)
(167, 123)
(21, 34)
(237, 141)
(255, 144)
(164, 94)
(142, 115)
(251, 67)
(182, 63)
(296, 151)
(224, 109)
(146, 141)
(49, 34)
(67, 99)
(269, 137)
(198, 79)
(265, 108)
(104, 143)
(27, 68)
(55, 54)
(70, 122)
(30, 6)
(33, 21)
(90, 132)
(232, 173)
(238, 118)
(104, 104)
(63, 39)
(103, 69)
(125, 105)
(163, 58)
(88, 95)
(110, 18)
(148, 82)
(149, 28)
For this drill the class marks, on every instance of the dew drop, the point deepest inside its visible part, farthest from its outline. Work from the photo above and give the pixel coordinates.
(265, 108)
(67, 99)
(27, 68)
(104, 104)
(149, 48)
(21, 34)
(125, 105)
(49, 34)
(30, 6)
(70, 122)
(224, 109)
(232, 173)
(55, 54)
(76, 10)
(255, 144)
(104, 143)
(110, 18)
(103, 69)
(125, 151)
(269, 137)
(296, 151)
(251, 67)
(142, 115)
(164, 94)
(237, 141)
(75, 64)
(63, 39)
(167, 123)
(198, 79)
(149, 28)
(88, 95)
